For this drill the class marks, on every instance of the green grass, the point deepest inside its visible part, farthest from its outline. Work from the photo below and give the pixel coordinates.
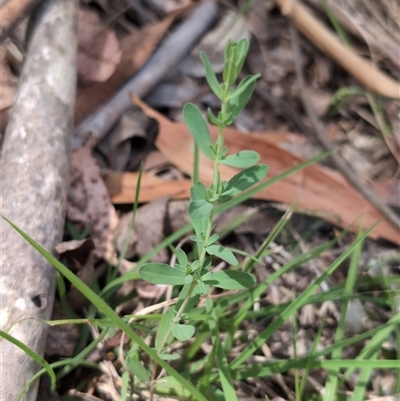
(215, 376)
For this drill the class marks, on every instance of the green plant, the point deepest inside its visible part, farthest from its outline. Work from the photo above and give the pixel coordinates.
(223, 321)
(197, 276)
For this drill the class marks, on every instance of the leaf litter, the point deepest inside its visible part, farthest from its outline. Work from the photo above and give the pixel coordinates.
(320, 189)
(103, 69)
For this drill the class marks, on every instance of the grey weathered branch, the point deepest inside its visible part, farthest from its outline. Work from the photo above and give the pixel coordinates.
(33, 175)
(160, 64)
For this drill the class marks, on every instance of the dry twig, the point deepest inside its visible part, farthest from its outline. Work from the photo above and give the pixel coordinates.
(164, 59)
(326, 144)
(368, 75)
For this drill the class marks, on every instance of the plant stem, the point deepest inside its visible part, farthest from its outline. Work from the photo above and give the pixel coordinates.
(202, 258)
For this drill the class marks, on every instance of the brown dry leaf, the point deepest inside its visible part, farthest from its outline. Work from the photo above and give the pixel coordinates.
(148, 230)
(89, 203)
(98, 48)
(122, 187)
(322, 191)
(7, 82)
(75, 250)
(62, 339)
(146, 290)
(128, 143)
(136, 49)
(75, 298)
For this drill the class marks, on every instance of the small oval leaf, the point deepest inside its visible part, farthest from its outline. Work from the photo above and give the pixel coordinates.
(163, 328)
(199, 208)
(240, 98)
(182, 257)
(229, 279)
(161, 273)
(244, 180)
(198, 127)
(183, 332)
(223, 253)
(136, 367)
(242, 159)
(210, 75)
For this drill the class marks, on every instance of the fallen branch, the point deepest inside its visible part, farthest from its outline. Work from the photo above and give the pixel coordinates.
(362, 70)
(33, 174)
(160, 64)
(326, 144)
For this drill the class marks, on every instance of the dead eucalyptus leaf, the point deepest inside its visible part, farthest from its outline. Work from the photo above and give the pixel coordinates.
(315, 190)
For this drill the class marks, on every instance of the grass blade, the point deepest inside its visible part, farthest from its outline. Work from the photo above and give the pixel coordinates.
(35, 356)
(107, 311)
(293, 306)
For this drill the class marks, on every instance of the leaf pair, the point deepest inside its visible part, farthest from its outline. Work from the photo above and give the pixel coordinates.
(160, 273)
(198, 127)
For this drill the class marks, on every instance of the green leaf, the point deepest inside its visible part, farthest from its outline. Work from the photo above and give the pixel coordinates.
(35, 356)
(188, 279)
(200, 226)
(243, 86)
(244, 180)
(161, 273)
(230, 73)
(183, 332)
(229, 279)
(163, 328)
(213, 120)
(195, 266)
(210, 75)
(202, 288)
(136, 367)
(240, 98)
(223, 253)
(182, 257)
(199, 208)
(198, 192)
(243, 48)
(212, 239)
(230, 50)
(110, 313)
(242, 159)
(169, 357)
(199, 129)
(193, 301)
(206, 266)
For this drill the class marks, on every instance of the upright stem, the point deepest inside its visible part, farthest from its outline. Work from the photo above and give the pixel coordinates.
(216, 181)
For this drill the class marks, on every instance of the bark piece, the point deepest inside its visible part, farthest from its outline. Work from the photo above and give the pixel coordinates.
(160, 64)
(33, 175)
